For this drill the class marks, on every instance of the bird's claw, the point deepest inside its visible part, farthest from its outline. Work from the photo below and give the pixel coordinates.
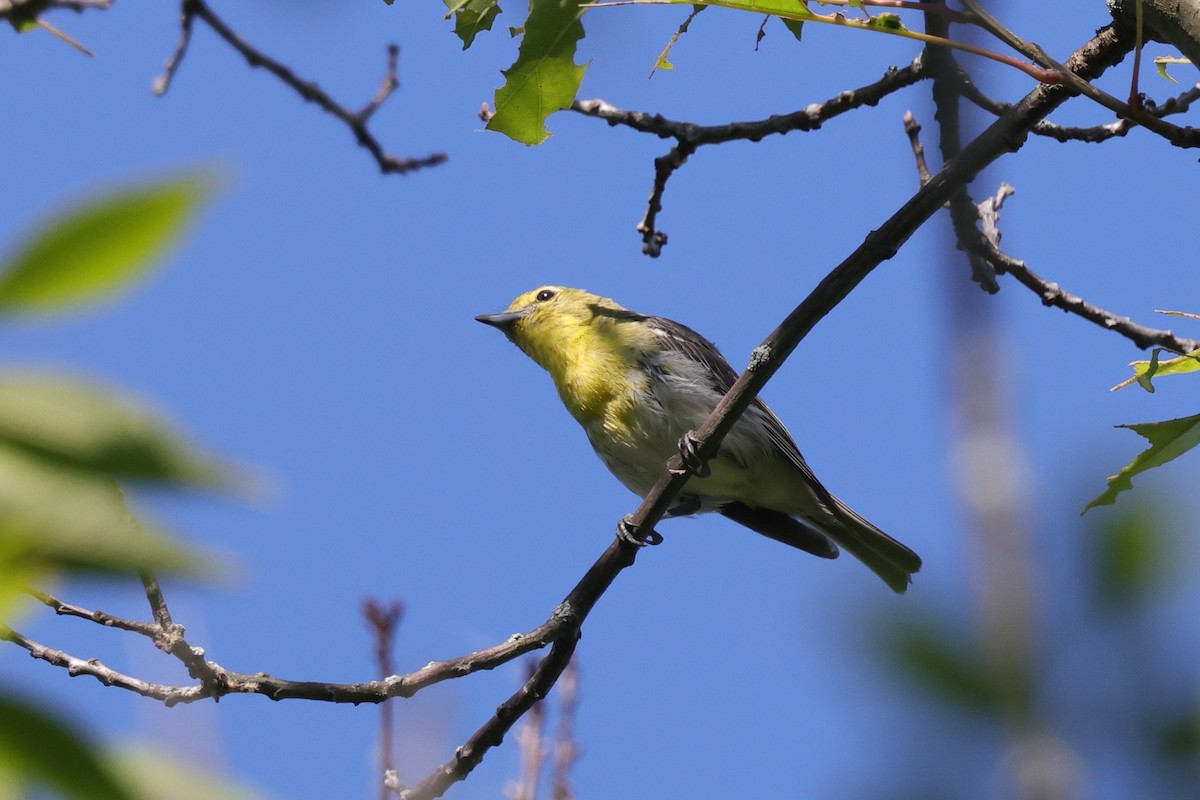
(632, 534)
(689, 456)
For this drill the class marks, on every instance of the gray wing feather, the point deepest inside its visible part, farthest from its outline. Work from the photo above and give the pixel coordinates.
(685, 340)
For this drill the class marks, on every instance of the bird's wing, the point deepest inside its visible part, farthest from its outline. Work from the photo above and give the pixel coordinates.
(685, 340)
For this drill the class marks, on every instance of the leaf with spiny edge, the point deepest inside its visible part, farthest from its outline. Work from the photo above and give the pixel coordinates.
(544, 78)
(1168, 440)
(471, 17)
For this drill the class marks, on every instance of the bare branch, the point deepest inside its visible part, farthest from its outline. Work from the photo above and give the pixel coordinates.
(690, 136)
(566, 751)
(913, 129)
(169, 695)
(987, 245)
(531, 741)
(1097, 133)
(383, 621)
(356, 121)
(947, 80)
(147, 629)
(1180, 137)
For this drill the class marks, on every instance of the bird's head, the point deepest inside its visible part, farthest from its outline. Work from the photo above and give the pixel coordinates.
(552, 323)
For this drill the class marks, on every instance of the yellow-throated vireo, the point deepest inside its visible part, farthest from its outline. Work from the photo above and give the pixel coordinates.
(637, 384)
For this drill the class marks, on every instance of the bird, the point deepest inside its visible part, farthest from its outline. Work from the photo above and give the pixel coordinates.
(640, 385)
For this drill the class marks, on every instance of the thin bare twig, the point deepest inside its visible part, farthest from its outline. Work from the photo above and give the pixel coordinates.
(1178, 136)
(690, 136)
(383, 619)
(566, 750)
(356, 121)
(1052, 294)
(531, 741)
(147, 629)
(1178, 104)
(948, 77)
(913, 129)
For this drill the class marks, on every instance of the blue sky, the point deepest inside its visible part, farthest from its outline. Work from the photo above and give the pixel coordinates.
(317, 324)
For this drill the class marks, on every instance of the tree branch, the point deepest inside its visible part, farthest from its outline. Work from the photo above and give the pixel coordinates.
(986, 244)
(356, 121)
(690, 136)
(1180, 137)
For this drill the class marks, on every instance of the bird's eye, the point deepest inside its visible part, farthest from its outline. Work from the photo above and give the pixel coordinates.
(545, 294)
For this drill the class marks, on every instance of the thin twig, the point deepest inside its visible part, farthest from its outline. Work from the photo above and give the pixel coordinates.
(163, 82)
(531, 741)
(947, 80)
(147, 629)
(690, 136)
(356, 121)
(1178, 136)
(566, 750)
(1052, 294)
(383, 620)
(913, 129)
(653, 239)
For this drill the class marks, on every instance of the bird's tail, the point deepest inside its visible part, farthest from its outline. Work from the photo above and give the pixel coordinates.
(885, 556)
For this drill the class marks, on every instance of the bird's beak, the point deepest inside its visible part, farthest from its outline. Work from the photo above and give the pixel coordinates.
(505, 320)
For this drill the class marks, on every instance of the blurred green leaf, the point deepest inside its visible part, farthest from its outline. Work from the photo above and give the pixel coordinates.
(155, 775)
(1179, 736)
(81, 425)
(37, 749)
(472, 17)
(1131, 551)
(98, 248)
(1168, 440)
(544, 78)
(55, 517)
(944, 664)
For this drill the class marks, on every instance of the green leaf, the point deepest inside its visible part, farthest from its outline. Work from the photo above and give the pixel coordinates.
(1168, 440)
(1162, 61)
(1178, 735)
(890, 21)
(1143, 371)
(471, 17)
(37, 749)
(662, 62)
(53, 517)
(784, 9)
(795, 26)
(943, 664)
(544, 78)
(98, 248)
(80, 425)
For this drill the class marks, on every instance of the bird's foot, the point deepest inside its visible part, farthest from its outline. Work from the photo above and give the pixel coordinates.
(634, 535)
(689, 456)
